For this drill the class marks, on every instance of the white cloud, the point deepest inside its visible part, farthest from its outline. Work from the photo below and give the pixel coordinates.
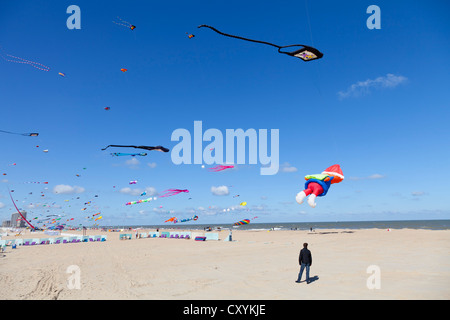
(2, 205)
(220, 191)
(66, 189)
(286, 167)
(150, 191)
(163, 211)
(152, 164)
(363, 87)
(132, 163)
(418, 193)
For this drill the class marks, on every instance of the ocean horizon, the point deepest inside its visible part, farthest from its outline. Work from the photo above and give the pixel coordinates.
(385, 224)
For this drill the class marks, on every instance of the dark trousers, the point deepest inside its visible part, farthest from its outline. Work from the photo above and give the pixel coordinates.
(302, 267)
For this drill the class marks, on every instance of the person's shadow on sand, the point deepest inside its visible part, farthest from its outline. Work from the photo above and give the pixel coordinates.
(311, 279)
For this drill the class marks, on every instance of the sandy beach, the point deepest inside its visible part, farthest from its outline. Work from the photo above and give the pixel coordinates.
(257, 265)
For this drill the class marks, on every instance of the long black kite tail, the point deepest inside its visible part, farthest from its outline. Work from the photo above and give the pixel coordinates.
(237, 37)
(117, 145)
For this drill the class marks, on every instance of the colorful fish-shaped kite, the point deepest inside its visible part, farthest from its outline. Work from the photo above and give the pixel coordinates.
(220, 168)
(186, 220)
(172, 192)
(242, 222)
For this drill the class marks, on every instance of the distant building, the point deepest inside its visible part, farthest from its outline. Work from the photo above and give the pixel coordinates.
(17, 221)
(6, 224)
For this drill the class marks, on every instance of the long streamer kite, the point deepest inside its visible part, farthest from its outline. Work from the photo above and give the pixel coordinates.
(220, 168)
(32, 134)
(125, 24)
(119, 154)
(150, 148)
(172, 192)
(306, 53)
(19, 211)
(186, 220)
(39, 182)
(138, 201)
(34, 64)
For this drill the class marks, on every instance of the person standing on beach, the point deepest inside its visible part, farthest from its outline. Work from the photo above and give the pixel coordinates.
(305, 261)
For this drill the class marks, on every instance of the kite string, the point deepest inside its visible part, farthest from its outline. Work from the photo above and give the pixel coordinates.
(309, 23)
(317, 70)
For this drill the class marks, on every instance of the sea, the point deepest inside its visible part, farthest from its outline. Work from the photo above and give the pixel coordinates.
(395, 224)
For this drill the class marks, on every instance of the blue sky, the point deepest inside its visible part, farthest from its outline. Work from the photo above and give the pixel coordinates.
(377, 103)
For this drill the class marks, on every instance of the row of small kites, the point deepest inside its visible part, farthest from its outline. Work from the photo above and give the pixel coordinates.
(305, 52)
(195, 218)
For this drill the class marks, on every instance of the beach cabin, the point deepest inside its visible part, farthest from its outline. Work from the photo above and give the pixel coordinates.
(212, 236)
(185, 235)
(125, 236)
(44, 241)
(165, 234)
(153, 234)
(58, 240)
(174, 235)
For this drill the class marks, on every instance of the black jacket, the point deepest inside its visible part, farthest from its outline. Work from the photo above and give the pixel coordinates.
(305, 257)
